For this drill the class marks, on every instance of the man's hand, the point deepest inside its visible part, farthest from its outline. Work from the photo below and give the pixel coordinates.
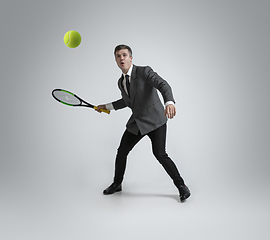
(170, 111)
(100, 107)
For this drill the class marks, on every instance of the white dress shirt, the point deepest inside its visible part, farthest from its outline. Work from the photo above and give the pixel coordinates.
(109, 106)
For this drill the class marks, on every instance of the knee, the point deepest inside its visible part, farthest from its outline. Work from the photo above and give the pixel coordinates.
(160, 156)
(123, 151)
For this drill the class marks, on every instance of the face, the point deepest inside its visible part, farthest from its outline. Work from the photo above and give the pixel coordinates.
(123, 60)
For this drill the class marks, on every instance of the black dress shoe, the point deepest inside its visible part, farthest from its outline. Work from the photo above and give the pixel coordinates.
(184, 192)
(114, 187)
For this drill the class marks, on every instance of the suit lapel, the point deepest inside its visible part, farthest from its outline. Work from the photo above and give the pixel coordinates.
(120, 84)
(133, 84)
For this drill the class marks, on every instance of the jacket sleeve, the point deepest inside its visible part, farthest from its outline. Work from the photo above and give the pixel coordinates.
(160, 84)
(119, 104)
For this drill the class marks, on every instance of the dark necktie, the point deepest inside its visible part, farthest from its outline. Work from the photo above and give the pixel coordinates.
(128, 84)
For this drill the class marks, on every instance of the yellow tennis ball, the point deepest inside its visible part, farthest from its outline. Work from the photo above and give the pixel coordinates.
(72, 39)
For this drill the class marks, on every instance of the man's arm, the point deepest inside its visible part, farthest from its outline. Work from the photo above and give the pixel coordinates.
(119, 104)
(160, 84)
(165, 89)
(112, 106)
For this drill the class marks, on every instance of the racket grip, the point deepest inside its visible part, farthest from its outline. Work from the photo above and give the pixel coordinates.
(103, 110)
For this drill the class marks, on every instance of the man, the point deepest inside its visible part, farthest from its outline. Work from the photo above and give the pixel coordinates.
(138, 86)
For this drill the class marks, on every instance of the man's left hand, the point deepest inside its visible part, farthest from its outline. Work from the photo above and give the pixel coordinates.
(170, 111)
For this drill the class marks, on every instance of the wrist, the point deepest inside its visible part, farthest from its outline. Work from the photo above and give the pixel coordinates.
(169, 103)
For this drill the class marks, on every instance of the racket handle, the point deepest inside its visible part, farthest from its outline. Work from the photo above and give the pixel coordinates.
(103, 110)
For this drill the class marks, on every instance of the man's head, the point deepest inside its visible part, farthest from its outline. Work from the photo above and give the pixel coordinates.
(123, 57)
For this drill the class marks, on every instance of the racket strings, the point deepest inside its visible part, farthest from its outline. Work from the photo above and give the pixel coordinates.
(66, 97)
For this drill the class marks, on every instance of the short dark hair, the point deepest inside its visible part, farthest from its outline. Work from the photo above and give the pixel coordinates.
(123, 46)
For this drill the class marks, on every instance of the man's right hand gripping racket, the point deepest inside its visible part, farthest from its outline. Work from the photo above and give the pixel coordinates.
(73, 100)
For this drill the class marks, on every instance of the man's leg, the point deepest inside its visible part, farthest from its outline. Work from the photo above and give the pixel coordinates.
(128, 141)
(158, 139)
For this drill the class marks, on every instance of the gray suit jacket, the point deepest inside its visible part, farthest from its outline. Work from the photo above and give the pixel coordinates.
(147, 109)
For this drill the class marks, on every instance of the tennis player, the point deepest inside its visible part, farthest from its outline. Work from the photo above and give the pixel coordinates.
(138, 86)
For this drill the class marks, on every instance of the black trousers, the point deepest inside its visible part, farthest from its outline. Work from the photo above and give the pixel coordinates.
(158, 140)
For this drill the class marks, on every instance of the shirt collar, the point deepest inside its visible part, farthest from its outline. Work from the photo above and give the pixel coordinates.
(129, 71)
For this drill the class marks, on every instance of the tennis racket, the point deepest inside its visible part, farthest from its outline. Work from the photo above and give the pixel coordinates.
(73, 100)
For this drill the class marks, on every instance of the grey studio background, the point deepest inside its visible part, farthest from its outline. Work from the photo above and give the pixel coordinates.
(56, 160)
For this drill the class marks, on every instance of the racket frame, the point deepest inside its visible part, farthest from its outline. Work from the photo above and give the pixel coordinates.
(76, 105)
